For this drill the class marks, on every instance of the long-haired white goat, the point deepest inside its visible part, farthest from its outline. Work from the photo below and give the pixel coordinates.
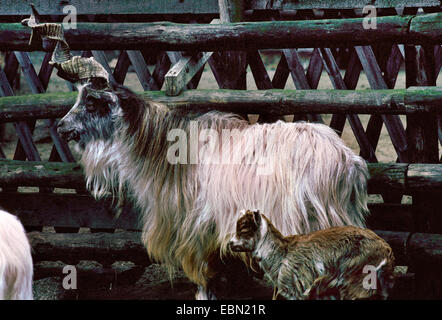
(311, 179)
(15, 260)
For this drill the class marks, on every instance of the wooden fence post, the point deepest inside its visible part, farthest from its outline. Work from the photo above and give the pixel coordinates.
(422, 135)
(229, 67)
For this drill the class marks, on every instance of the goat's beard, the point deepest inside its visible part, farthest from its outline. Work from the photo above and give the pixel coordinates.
(101, 161)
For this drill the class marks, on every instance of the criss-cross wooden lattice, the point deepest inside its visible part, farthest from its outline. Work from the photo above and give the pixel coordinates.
(381, 65)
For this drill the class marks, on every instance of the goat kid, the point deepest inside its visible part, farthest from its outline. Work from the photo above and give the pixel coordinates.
(326, 264)
(16, 267)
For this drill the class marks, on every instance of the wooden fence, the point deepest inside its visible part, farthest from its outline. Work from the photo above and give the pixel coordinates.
(340, 49)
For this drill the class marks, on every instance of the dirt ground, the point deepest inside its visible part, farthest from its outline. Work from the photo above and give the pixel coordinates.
(154, 283)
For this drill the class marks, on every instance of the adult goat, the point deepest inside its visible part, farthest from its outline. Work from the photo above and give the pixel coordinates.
(309, 179)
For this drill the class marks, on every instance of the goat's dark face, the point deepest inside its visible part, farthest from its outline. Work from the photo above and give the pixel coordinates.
(248, 232)
(92, 116)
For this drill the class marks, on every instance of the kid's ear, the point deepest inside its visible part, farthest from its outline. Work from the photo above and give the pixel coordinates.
(257, 217)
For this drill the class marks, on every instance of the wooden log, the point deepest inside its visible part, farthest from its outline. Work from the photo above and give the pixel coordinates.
(425, 250)
(387, 177)
(383, 176)
(90, 274)
(126, 246)
(418, 173)
(426, 28)
(105, 248)
(398, 242)
(423, 247)
(194, 7)
(337, 4)
(390, 216)
(36, 210)
(41, 174)
(276, 102)
(78, 211)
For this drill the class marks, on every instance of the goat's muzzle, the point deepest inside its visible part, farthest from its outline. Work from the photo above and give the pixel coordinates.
(67, 133)
(236, 246)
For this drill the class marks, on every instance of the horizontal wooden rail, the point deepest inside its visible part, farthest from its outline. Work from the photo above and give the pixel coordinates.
(126, 246)
(37, 210)
(273, 102)
(169, 36)
(102, 247)
(155, 7)
(384, 176)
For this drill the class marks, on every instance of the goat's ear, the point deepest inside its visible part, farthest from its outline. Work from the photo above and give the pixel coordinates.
(257, 216)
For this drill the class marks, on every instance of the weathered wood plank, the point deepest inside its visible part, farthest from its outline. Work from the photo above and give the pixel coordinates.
(121, 67)
(419, 173)
(393, 123)
(299, 77)
(107, 7)
(180, 7)
(275, 101)
(41, 174)
(237, 35)
(387, 177)
(351, 78)
(332, 69)
(262, 80)
(26, 144)
(282, 73)
(229, 67)
(68, 211)
(65, 210)
(126, 246)
(37, 87)
(390, 216)
(183, 71)
(187, 68)
(337, 4)
(383, 176)
(143, 73)
(71, 248)
(161, 67)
